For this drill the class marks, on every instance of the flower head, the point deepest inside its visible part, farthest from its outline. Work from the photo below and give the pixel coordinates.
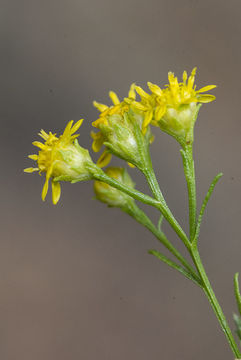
(118, 108)
(174, 109)
(111, 196)
(118, 125)
(61, 158)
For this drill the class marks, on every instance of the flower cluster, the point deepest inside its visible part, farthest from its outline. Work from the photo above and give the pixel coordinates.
(124, 129)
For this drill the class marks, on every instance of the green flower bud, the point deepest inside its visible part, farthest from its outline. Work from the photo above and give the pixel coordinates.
(111, 196)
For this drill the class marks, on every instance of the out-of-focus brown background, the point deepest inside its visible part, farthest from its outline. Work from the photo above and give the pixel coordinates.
(76, 281)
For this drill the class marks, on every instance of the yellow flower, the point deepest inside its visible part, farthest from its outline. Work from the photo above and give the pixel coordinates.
(61, 159)
(119, 125)
(174, 109)
(118, 108)
(176, 94)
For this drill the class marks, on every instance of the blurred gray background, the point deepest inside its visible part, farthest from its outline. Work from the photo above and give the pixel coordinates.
(76, 281)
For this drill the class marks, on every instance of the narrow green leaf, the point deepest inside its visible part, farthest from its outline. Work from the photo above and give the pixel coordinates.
(237, 292)
(175, 266)
(204, 204)
(237, 321)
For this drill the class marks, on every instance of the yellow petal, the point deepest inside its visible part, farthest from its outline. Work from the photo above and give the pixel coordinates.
(56, 191)
(104, 159)
(43, 134)
(39, 144)
(206, 98)
(160, 111)
(206, 88)
(171, 77)
(76, 126)
(45, 188)
(132, 93)
(139, 106)
(141, 92)
(114, 98)
(33, 157)
(99, 106)
(194, 70)
(155, 89)
(184, 77)
(98, 141)
(30, 170)
(191, 79)
(67, 128)
(147, 119)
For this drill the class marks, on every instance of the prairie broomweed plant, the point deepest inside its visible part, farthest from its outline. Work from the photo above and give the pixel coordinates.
(124, 129)
(61, 159)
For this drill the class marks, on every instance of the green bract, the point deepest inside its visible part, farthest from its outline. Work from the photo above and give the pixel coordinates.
(179, 122)
(123, 137)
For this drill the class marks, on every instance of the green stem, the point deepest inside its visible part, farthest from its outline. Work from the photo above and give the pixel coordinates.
(135, 194)
(189, 171)
(153, 183)
(133, 210)
(150, 176)
(214, 302)
(188, 165)
(164, 209)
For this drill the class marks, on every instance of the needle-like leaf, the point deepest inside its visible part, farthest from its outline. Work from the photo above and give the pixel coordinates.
(204, 204)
